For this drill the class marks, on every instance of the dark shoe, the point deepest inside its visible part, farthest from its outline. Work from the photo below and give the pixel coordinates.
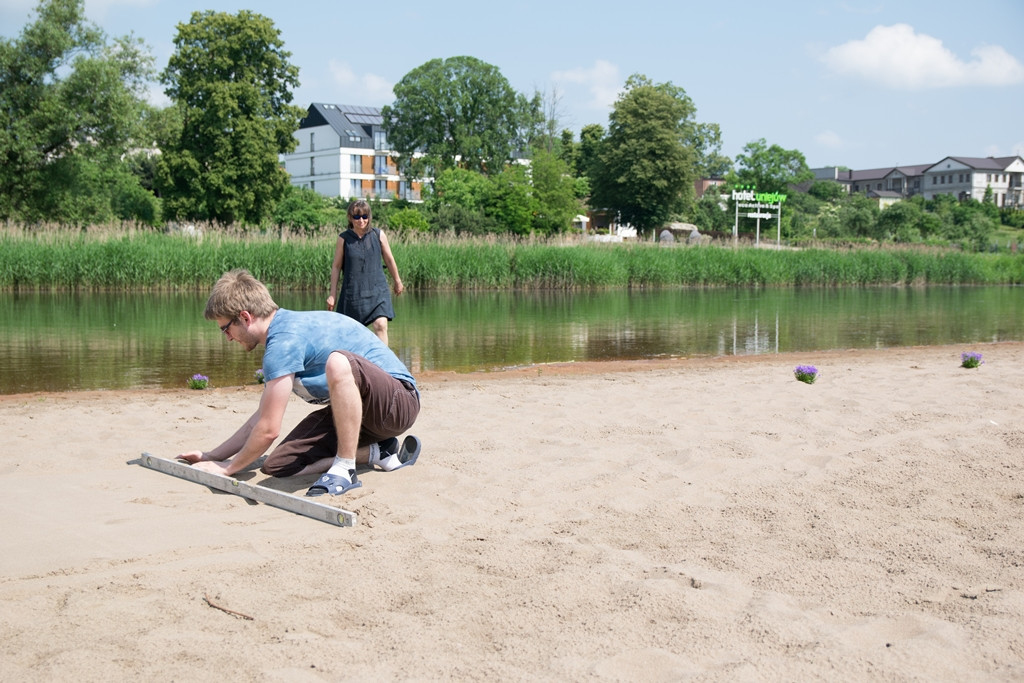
(334, 484)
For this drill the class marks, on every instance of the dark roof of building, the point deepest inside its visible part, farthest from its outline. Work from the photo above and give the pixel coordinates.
(915, 170)
(868, 174)
(343, 118)
(880, 173)
(983, 163)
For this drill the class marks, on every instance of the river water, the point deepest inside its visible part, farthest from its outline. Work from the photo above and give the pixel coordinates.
(71, 342)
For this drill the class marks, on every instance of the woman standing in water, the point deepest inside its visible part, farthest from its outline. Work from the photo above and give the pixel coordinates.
(364, 289)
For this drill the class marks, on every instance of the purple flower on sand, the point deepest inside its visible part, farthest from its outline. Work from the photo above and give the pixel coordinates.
(970, 359)
(198, 382)
(259, 376)
(806, 373)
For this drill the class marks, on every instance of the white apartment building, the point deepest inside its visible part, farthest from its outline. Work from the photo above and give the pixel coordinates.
(343, 151)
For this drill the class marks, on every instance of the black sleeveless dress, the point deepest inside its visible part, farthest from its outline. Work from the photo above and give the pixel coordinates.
(365, 295)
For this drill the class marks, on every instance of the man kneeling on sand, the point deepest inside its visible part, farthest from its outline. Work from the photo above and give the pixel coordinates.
(325, 358)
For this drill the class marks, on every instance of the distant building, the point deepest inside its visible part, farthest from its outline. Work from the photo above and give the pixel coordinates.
(903, 180)
(343, 151)
(884, 198)
(962, 177)
(970, 177)
(702, 185)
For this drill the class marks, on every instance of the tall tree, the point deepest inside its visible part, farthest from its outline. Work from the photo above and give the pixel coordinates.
(512, 203)
(554, 188)
(459, 112)
(232, 82)
(645, 167)
(707, 142)
(568, 149)
(70, 108)
(591, 136)
(770, 169)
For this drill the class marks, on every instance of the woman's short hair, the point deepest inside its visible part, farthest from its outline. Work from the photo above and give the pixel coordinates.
(362, 207)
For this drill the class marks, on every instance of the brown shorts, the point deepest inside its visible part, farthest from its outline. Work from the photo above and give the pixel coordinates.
(390, 407)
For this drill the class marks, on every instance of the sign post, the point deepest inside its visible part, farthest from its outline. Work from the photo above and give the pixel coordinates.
(762, 203)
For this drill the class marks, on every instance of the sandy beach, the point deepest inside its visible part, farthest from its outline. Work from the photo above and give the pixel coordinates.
(704, 519)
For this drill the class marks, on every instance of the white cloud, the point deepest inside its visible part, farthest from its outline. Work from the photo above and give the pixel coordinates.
(830, 139)
(602, 80)
(897, 57)
(368, 89)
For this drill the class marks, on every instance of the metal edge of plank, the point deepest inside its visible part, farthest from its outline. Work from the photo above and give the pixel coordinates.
(278, 499)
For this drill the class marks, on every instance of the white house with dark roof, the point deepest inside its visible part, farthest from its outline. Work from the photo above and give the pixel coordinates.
(343, 151)
(905, 181)
(962, 177)
(970, 177)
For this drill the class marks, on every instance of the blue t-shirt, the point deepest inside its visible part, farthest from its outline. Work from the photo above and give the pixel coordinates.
(300, 342)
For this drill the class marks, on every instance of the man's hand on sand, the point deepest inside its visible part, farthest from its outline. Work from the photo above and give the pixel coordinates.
(192, 457)
(212, 467)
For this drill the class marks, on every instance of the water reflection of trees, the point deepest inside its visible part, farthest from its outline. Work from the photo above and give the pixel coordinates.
(58, 342)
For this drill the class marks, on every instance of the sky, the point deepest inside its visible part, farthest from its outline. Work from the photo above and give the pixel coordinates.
(862, 84)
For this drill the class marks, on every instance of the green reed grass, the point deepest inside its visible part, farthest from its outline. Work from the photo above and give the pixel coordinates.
(151, 260)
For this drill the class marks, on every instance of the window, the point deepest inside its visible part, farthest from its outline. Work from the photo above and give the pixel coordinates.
(380, 139)
(380, 189)
(355, 188)
(380, 165)
(935, 180)
(312, 170)
(353, 136)
(311, 145)
(357, 164)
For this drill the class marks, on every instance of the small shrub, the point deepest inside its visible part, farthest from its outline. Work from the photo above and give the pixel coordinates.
(806, 373)
(970, 359)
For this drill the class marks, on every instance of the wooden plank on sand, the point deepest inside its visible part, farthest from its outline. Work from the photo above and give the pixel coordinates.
(261, 494)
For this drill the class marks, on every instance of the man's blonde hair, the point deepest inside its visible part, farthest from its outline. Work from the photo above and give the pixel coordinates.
(236, 291)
